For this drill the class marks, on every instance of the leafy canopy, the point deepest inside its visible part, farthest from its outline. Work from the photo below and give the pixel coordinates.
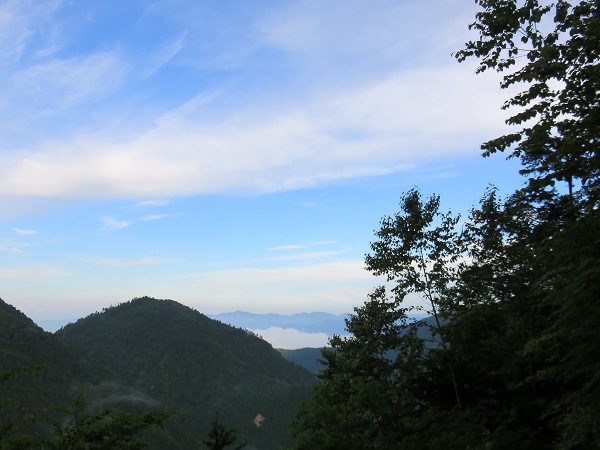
(552, 50)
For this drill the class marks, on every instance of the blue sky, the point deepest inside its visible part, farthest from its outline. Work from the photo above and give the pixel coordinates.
(227, 155)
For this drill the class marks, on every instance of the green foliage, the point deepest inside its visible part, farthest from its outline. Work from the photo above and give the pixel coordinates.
(363, 394)
(220, 437)
(105, 430)
(513, 366)
(75, 428)
(418, 249)
(12, 415)
(545, 265)
(304, 357)
(196, 366)
(133, 358)
(553, 49)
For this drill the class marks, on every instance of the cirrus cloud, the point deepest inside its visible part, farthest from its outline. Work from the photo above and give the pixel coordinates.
(385, 127)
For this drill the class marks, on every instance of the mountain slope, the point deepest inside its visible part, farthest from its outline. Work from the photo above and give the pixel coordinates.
(304, 357)
(40, 375)
(195, 365)
(23, 344)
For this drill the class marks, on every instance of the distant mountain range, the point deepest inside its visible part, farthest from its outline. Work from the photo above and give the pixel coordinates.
(149, 353)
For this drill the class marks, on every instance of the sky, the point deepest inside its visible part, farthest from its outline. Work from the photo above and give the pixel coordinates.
(227, 155)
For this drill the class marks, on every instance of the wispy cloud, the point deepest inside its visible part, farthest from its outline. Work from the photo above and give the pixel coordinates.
(57, 85)
(12, 249)
(165, 53)
(110, 223)
(296, 246)
(288, 247)
(386, 127)
(19, 22)
(149, 203)
(43, 53)
(29, 274)
(24, 232)
(322, 243)
(154, 217)
(124, 262)
(325, 286)
(239, 134)
(305, 256)
(343, 270)
(14, 246)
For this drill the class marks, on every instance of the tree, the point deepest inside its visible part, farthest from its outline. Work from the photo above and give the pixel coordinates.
(219, 437)
(363, 397)
(554, 50)
(371, 392)
(418, 249)
(104, 430)
(13, 417)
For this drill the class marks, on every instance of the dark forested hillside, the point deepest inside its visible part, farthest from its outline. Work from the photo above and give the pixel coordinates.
(39, 378)
(25, 345)
(305, 357)
(196, 366)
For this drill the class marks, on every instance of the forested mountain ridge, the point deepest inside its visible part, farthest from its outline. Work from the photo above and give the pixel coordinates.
(24, 344)
(40, 376)
(195, 366)
(147, 354)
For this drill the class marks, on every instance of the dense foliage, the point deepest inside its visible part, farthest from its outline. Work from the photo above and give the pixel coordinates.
(552, 51)
(132, 363)
(195, 366)
(38, 375)
(219, 437)
(107, 429)
(513, 290)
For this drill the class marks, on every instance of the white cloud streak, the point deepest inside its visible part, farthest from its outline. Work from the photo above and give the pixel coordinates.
(305, 256)
(384, 116)
(126, 262)
(151, 203)
(154, 217)
(29, 274)
(386, 127)
(58, 85)
(333, 287)
(165, 54)
(19, 20)
(296, 246)
(24, 232)
(110, 223)
(343, 270)
(288, 247)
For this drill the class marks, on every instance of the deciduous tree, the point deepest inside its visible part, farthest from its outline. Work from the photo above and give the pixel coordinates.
(552, 50)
